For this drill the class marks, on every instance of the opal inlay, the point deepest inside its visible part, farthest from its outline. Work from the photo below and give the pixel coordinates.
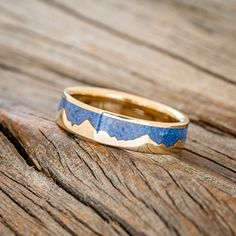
(121, 129)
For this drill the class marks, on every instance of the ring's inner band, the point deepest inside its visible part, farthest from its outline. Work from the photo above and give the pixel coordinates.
(125, 107)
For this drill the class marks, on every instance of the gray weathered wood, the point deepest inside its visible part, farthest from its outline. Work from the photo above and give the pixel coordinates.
(141, 193)
(178, 52)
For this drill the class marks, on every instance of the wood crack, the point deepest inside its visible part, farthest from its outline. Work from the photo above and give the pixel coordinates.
(202, 207)
(179, 209)
(14, 141)
(87, 165)
(17, 182)
(56, 219)
(54, 147)
(5, 223)
(27, 211)
(213, 149)
(216, 129)
(85, 224)
(109, 179)
(215, 162)
(100, 209)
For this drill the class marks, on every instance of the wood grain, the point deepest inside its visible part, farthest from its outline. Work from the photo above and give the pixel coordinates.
(198, 33)
(166, 189)
(178, 52)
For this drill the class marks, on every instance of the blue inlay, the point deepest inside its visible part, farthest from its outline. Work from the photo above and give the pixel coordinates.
(120, 129)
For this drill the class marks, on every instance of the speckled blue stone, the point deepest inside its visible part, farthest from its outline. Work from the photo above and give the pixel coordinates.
(121, 129)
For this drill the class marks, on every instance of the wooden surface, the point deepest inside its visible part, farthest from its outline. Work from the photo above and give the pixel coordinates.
(178, 52)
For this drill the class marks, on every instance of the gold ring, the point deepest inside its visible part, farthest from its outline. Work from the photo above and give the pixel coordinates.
(122, 120)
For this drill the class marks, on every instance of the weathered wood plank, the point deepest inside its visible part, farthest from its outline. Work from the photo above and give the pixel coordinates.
(52, 183)
(46, 85)
(216, 150)
(163, 195)
(198, 33)
(95, 51)
(32, 204)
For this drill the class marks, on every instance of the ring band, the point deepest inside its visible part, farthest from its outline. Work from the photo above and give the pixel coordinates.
(122, 120)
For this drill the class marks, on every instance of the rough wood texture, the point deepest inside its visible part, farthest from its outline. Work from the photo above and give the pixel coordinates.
(178, 52)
